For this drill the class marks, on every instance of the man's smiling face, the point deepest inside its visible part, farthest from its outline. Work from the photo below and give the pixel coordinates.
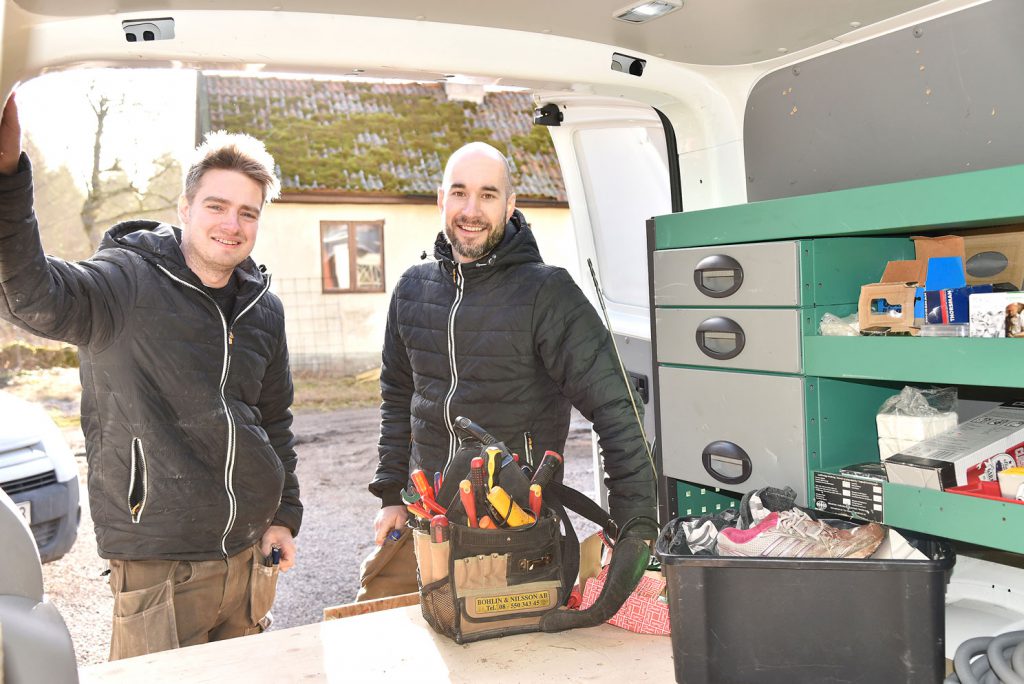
(475, 203)
(219, 224)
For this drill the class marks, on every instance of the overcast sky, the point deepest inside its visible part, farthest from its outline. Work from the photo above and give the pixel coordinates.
(158, 116)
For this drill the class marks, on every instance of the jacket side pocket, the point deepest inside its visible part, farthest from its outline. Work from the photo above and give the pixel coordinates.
(138, 484)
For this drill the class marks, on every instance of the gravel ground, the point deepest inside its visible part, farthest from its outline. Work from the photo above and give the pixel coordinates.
(337, 456)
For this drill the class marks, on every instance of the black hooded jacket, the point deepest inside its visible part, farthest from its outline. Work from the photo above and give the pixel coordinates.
(185, 412)
(511, 343)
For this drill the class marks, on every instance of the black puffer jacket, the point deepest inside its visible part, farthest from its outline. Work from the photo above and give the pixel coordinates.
(513, 344)
(186, 416)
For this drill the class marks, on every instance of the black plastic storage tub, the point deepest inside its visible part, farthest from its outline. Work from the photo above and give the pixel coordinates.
(815, 620)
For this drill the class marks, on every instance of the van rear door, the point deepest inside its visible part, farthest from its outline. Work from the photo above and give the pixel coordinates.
(615, 163)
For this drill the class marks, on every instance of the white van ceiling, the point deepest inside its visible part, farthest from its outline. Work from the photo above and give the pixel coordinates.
(706, 32)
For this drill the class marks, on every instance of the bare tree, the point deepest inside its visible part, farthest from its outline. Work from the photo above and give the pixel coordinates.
(111, 196)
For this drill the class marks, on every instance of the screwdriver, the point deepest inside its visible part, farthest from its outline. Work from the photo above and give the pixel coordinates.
(551, 462)
(439, 529)
(476, 475)
(468, 501)
(419, 480)
(493, 465)
(535, 499)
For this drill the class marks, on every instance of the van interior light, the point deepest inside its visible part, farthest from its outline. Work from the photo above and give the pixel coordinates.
(639, 12)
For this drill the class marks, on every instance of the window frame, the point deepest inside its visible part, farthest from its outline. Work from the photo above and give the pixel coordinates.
(352, 288)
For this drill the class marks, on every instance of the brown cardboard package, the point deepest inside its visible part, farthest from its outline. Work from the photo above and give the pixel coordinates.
(899, 284)
(995, 255)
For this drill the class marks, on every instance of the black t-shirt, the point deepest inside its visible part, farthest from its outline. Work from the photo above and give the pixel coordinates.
(225, 296)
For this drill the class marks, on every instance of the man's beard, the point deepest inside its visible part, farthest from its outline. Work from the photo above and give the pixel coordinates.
(472, 252)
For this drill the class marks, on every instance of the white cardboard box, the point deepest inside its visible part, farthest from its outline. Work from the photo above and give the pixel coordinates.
(975, 450)
(997, 314)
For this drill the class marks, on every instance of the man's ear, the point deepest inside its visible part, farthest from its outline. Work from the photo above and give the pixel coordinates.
(440, 200)
(183, 209)
(510, 206)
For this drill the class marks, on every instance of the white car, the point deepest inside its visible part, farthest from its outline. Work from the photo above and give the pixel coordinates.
(38, 472)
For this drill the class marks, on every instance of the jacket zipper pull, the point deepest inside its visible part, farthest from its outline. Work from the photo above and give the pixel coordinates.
(231, 337)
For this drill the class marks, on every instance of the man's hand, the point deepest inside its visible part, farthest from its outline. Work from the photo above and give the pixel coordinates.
(10, 138)
(281, 537)
(388, 518)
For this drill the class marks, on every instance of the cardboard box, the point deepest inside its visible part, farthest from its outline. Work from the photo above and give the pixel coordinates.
(995, 256)
(972, 451)
(898, 299)
(997, 314)
(951, 305)
(857, 497)
(915, 471)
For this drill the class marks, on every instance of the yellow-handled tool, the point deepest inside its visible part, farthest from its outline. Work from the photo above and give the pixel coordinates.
(507, 509)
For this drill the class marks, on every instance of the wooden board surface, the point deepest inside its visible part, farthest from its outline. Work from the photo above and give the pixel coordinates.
(397, 645)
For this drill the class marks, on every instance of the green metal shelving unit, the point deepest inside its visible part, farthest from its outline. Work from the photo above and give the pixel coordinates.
(842, 236)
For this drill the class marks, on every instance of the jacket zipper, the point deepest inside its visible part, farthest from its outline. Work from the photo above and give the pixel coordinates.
(229, 340)
(138, 465)
(460, 284)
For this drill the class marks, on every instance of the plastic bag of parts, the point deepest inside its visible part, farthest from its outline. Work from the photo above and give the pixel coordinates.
(835, 326)
(913, 416)
(913, 401)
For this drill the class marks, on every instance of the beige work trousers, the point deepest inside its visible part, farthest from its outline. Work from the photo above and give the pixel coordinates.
(389, 570)
(161, 605)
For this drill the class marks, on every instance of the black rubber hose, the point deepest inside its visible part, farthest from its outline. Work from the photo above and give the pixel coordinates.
(627, 567)
(629, 561)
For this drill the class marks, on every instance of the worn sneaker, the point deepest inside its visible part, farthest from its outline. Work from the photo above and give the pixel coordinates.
(792, 534)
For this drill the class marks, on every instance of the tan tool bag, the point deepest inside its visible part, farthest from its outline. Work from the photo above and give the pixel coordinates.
(484, 583)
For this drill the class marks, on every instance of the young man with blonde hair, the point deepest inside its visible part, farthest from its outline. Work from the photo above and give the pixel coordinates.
(186, 394)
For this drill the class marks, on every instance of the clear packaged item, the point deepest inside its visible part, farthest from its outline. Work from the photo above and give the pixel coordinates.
(914, 415)
(833, 325)
(945, 330)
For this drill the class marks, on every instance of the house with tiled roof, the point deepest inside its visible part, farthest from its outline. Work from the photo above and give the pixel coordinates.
(360, 164)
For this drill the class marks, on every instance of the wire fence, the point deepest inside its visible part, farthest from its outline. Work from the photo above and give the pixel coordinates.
(332, 334)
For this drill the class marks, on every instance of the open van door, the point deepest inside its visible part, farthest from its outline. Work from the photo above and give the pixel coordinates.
(620, 168)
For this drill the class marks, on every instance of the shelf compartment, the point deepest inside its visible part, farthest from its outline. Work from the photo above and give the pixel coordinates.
(939, 360)
(965, 200)
(966, 518)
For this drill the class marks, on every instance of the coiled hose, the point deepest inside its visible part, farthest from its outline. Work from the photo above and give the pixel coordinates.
(996, 660)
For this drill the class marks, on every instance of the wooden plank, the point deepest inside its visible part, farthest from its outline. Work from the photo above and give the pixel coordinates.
(363, 607)
(398, 646)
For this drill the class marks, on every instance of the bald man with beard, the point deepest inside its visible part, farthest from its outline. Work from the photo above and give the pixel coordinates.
(489, 331)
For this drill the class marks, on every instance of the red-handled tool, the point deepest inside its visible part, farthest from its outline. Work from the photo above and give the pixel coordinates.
(439, 529)
(551, 462)
(487, 524)
(419, 480)
(535, 499)
(468, 501)
(476, 475)
(418, 510)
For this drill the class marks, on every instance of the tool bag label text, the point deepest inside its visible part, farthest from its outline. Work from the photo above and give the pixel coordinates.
(512, 602)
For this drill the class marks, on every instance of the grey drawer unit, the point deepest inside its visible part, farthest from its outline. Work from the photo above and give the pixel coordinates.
(759, 274)
(755, 339)
(737, 431)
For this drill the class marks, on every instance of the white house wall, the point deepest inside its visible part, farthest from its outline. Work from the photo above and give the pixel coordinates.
(343, 331)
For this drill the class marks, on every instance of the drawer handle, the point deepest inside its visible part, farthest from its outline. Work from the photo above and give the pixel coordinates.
(729, 455)
(720, 338)
(718, 276)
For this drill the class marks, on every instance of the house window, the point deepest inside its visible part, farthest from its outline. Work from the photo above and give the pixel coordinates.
(352, 256)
